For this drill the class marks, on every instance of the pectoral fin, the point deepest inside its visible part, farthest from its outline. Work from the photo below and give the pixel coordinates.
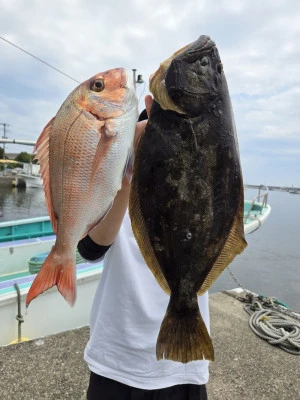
(41, 151)
(107, 137)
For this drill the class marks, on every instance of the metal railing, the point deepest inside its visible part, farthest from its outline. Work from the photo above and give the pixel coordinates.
(262, 204)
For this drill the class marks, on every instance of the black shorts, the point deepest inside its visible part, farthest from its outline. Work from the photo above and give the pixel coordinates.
(101, 388)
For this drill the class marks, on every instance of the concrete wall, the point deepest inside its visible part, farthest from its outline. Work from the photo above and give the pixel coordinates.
(7, 181)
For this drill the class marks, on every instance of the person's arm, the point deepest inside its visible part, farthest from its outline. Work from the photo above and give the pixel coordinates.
(106, 231)
(93, 246)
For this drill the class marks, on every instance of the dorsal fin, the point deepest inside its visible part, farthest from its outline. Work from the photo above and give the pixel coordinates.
(140, 232)
(234, 245)
(41, 151)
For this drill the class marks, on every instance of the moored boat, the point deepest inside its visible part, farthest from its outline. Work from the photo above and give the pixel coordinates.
(29, 181)
(23, 239)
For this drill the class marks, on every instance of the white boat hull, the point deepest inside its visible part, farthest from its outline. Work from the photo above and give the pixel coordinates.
(31, 181)
(15, 255)
(49, 314)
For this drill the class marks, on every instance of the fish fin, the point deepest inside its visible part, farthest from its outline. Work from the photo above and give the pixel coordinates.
(234, 245)
(128, 170)
(41, 151)
(158, 90)
(140, 232)
(183, 335)
(107, 137)
(56, 270)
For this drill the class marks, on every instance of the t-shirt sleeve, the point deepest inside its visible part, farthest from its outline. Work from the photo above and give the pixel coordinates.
(90, 250)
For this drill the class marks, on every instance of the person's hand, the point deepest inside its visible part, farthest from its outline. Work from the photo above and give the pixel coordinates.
(139, 131)
(141, 126)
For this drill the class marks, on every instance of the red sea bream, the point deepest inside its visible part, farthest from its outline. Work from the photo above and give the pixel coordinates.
(83, 153)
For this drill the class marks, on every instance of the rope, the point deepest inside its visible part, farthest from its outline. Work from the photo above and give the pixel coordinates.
(272, 320)
(234, 278)
(270, 323)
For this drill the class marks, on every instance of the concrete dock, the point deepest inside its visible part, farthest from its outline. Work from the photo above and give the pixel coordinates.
(246, 366)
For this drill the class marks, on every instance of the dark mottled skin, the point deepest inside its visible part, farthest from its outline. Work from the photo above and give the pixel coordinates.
(189, 178)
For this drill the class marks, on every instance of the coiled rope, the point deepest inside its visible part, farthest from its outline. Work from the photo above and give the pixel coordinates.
(274, 322)
(271, 319)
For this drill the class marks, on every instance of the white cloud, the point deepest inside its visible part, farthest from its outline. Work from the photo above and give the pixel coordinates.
(273, 117)
(258, 47)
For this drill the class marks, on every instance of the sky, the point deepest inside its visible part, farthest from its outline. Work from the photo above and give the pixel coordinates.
(258, 41)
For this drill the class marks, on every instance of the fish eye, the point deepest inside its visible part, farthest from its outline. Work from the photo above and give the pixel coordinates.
(97, 85)
(204, 61)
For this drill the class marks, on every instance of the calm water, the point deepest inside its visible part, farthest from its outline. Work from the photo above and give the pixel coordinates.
(270, 265)
(21, 203)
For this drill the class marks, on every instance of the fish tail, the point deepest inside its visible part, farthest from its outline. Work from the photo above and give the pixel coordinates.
(183, 335)
(56, 270)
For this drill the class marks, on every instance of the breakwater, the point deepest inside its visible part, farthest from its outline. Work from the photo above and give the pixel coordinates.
(289, 189)
(7, 181)
(12, 181)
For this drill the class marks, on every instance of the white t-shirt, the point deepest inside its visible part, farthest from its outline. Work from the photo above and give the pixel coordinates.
(126, 315)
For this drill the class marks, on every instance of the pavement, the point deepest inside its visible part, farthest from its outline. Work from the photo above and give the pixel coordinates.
(245, 367)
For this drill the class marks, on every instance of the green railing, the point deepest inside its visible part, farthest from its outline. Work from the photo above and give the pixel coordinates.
(257, 203)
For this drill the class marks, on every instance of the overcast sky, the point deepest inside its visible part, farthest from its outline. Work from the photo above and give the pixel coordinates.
(258, 41)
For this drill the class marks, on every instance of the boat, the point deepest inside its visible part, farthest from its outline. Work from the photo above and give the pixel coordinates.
(28, 181)
(257, 210)
(20, 243)
(294, 191)
(23, 241)
(29, 176)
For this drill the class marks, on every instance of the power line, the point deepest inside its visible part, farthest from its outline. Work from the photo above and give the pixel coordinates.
(39, 59)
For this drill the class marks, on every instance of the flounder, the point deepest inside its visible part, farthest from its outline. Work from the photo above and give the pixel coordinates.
(186, 201)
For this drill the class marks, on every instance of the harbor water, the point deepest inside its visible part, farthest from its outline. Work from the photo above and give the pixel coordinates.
(270, 265)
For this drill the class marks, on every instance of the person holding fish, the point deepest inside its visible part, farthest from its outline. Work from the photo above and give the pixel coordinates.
(126, 316)
(166, 226)
(184, 226)
(85, 154)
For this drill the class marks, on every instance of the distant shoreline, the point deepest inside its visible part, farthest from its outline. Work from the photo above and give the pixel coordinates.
(7, 181)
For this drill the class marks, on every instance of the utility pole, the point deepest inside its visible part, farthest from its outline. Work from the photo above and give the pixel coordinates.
(4, 136)
(138, 80)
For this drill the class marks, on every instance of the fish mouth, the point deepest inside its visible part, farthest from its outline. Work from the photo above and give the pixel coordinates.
(203, 44)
